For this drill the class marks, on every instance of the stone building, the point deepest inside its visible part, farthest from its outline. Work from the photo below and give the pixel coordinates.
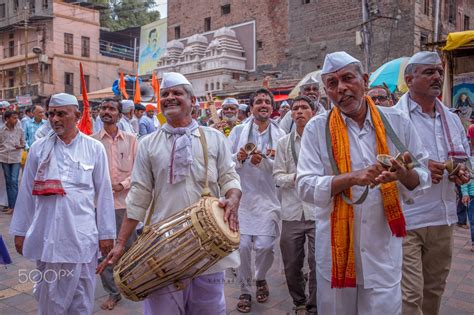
(293, 36)
(60, 35)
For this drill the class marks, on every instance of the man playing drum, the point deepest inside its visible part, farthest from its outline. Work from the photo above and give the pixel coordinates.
(169, 168)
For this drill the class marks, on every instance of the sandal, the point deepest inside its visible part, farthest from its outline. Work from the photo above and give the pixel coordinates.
(262, 291)
(300, 310)
(245, 303)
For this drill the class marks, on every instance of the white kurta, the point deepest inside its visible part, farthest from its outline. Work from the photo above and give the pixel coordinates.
(378, 254)
(150, 172)
(124, 124)
(67, 229)
(284, 174)
(259, 210)
(437, 206)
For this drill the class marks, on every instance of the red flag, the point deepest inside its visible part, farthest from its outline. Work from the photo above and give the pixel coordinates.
(137, 98)
(85, 124)
(155, 84)
(122, 88)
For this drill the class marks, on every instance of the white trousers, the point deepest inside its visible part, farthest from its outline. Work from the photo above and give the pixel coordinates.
(264, 247)
(202, 295)
(357, 301)
(65, 288)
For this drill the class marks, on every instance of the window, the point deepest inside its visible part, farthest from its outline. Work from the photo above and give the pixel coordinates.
(306, 1)
(206, 87)
(85, 46)
(32, 5)
(177, 32)
(218, 86)
(86, 78)
(69, 82)
(423, 40)
(259, 44)
(207, 24)
(225, 9)
(2, 10)
(235, 76)
(426, 7)
(212, 86)
(68, 44)
(11, 48)
(451, 11)
(45, 4)
(467, 23)
(15, 5)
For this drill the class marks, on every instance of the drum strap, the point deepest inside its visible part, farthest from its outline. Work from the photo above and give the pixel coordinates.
(206, 192)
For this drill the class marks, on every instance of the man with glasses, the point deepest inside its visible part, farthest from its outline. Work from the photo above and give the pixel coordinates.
(381, 96)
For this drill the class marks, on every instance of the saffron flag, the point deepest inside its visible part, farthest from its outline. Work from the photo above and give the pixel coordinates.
(155, 84)
(122, 88)
(85, 124)
(137, 98)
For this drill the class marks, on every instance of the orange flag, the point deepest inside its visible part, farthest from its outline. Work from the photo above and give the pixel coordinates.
(122, 88)
(85, 124)
(137, 98)
(155, 84)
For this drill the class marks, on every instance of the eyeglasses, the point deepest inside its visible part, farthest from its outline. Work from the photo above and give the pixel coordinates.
(379, 98)
(311, 88)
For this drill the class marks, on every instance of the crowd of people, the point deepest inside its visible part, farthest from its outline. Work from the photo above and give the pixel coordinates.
(364, 188)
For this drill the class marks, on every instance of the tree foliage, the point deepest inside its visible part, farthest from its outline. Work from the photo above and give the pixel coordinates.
(122, 14)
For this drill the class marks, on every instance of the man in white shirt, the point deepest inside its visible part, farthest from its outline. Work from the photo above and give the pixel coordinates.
(428, 247)
(177, 187)
(359, 230)
(297, 216)
(97, 124)
(259, 208)
(66, 212)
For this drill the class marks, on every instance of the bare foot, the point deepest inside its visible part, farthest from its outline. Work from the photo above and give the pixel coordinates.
(110, 303)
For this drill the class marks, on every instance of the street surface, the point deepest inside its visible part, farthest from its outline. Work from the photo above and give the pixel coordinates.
(16, 294)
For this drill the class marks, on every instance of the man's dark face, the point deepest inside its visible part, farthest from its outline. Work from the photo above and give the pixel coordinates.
(380, 97)
(346, 89)
(311, 91)
(94, 113)
(176, 104)
(229, 112)
(301, 113)
(139, 113)
(262, 107)
(63, 119)
(426, 80)
(12, 120)
(109, 113)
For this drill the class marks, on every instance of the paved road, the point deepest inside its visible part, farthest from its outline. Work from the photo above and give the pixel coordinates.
(16, 298)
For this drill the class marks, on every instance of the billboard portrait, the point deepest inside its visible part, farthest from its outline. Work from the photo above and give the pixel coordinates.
(152, 45)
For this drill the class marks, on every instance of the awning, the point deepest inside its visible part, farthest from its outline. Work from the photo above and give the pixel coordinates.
(458, 39)
(99, 94)
(280, 97)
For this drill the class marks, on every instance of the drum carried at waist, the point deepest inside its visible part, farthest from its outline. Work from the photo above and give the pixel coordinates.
(183, 246)
(180, 247)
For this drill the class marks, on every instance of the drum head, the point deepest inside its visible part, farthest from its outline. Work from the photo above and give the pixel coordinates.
(218, 214)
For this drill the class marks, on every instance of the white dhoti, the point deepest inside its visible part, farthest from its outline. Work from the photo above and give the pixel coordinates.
(3, 189)
(264, 247)
(202, 295)
(357, 301)
(65, 288)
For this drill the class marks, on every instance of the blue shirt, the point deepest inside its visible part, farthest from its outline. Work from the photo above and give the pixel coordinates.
(30, 130)
(146, 125)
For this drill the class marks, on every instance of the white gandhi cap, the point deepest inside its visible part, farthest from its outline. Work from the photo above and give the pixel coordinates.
(336, 61)
(171, 79)
(63, 99)
(127, 106)
(425, 58)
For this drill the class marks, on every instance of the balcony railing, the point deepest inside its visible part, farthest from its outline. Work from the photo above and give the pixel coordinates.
(11, 93)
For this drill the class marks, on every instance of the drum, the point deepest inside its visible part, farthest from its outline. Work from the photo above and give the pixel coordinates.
(182, 246)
